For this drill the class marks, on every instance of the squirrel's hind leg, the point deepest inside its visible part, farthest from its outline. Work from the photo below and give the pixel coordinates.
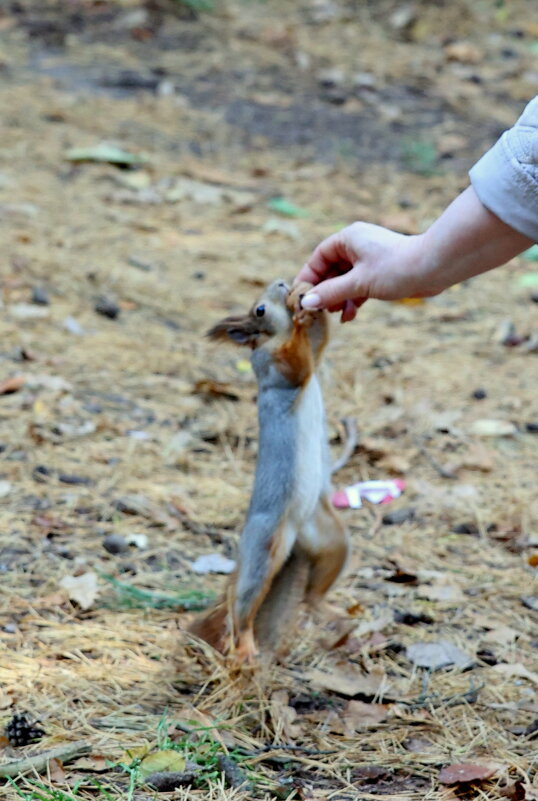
(257, 571)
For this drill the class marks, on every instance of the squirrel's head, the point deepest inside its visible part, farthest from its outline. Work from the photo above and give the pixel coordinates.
(270, 316)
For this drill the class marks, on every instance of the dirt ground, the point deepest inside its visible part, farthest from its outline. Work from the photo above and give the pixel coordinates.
(115, 425)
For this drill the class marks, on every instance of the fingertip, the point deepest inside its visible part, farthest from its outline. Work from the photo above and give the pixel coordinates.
(349, 312)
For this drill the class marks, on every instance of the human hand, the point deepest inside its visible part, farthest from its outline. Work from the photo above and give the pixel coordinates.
(365, 261)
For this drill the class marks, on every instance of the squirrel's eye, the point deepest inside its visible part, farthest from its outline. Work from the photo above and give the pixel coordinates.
(260, 311)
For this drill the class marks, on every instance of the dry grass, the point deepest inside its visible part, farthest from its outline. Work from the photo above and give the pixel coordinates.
(123, 674)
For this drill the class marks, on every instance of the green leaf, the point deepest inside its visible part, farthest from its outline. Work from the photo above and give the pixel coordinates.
(286, 208)
(168, 760)
(531, 254)
(528, 280)
(104, 154)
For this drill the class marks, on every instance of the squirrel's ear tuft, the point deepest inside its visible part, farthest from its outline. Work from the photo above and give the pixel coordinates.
(241, 330)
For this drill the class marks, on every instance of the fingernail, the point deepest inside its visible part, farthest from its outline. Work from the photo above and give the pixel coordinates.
(311, 301)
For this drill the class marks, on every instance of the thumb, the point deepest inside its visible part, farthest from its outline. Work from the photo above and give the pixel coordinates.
(333, 292)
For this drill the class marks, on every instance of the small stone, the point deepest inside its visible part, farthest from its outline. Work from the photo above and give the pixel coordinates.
(107, 308)
(403, 17)
(40, 296)
(399, 516)
(115, 543)
(534, 297)
(532, 428)
(73, 326)
(480, 394)
(72, 478)
(5, 488)
(11, 628)
(330, 78)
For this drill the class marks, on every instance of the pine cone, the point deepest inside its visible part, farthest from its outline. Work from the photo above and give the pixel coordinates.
(20, 731)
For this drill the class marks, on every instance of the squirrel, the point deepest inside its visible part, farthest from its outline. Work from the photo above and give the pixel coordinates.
(293, 545)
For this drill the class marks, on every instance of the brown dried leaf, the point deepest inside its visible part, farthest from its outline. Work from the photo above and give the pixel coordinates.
(464, 772)
(94, 764)
(517, 669)
(56, 771)
(464, 52)
(359, 715)
(284, 716)
(344, 681)
(11, 385)
(209, 389)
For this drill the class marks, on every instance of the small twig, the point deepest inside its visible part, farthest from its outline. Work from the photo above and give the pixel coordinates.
(37, 763)
(352, 438)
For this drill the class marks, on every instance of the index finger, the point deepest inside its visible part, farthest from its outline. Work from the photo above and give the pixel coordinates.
(327, 253)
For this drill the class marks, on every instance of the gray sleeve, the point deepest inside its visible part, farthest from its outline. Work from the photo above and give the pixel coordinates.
(506, 177)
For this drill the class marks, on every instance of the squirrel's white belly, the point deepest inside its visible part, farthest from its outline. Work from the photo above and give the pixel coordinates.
(312, 472)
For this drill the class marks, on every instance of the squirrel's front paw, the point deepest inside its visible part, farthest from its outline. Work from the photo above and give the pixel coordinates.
(296, 295)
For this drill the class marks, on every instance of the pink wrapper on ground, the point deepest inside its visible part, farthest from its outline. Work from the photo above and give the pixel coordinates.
(372, 491)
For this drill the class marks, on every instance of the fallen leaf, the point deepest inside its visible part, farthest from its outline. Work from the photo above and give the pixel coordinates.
(81, 589)
(94, 763)
(11, 385)
(501, 635)
(286, 208)
(56, 771)
(284, 716)
(358, 715)
(243, 366)
(345, 682)
(410, 301)
(441, 592)
(208, 388)
(464, 772)
(529, 255)
(464, 52)
(493, 428)
(213, 563)
(138, 751)
(105, 153)
(435, 655)
(517, 669)
(5, 700)
(162, 761)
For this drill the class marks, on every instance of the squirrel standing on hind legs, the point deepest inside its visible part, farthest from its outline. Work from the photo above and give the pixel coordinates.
(293, 545)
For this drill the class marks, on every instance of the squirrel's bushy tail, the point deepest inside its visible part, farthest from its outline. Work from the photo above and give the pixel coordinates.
(280, 608)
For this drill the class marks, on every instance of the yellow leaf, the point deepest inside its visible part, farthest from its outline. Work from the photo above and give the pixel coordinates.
(167, 761)
(138, 751)
(243, 366)
(410, 301)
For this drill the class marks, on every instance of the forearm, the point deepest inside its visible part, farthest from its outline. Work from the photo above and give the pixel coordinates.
(466, 240)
